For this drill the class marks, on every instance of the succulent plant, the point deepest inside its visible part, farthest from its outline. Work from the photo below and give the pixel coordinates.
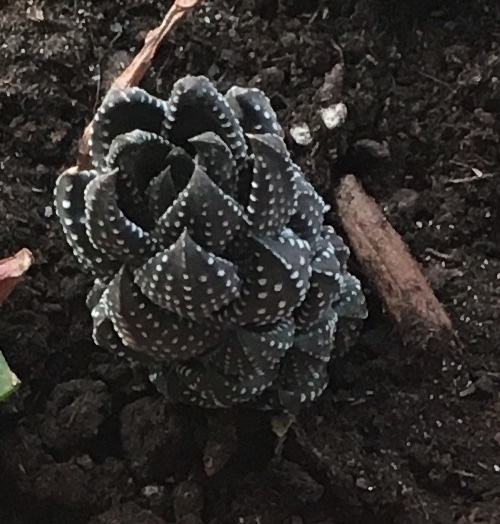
(212, 262)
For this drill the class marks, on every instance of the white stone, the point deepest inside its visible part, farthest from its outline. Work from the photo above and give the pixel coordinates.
(301, 134)
(334, 116)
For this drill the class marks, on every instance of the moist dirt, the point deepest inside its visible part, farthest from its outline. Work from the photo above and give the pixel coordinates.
(403, 436)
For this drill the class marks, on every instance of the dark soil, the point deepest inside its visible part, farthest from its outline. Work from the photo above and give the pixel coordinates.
(401, 436)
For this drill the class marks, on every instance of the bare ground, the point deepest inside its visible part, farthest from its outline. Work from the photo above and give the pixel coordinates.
(401, 436)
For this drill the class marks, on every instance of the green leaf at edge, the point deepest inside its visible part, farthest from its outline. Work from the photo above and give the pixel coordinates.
(8, 380)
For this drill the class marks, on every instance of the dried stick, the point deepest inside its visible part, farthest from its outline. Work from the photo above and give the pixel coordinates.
(390, 266)
(134, 73)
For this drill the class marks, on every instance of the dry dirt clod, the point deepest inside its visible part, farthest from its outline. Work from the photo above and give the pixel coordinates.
(74, 413)
(188, 501)
(298, 481)
(127, 513)
(153, 440)
(221, 445)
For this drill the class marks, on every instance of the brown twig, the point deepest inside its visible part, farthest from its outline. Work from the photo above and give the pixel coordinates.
(135, 71)
(387, 262)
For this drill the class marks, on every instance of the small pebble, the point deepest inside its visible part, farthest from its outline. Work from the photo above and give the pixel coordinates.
(301, 134)
(334, 116)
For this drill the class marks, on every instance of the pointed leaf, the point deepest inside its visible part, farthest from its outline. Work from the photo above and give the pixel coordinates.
(325, 286)
(70, 208)
(217, 390)
(194, 107)
(150, 331)
(108, 229)
(302, 379)
(276, 283)
(161, 193)
(307, 221)
(342, 252)
(103, 332)
(138, 156)
(95, 293)
(181, 167)
(217, 160)
(254, 350)
(318, 340)
(211, 217)
(254, 111)
(124, 110)
(352, 302)
(188, 280)
(273, 193)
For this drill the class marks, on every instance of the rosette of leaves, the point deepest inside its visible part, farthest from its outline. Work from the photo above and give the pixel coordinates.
(212, 262)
